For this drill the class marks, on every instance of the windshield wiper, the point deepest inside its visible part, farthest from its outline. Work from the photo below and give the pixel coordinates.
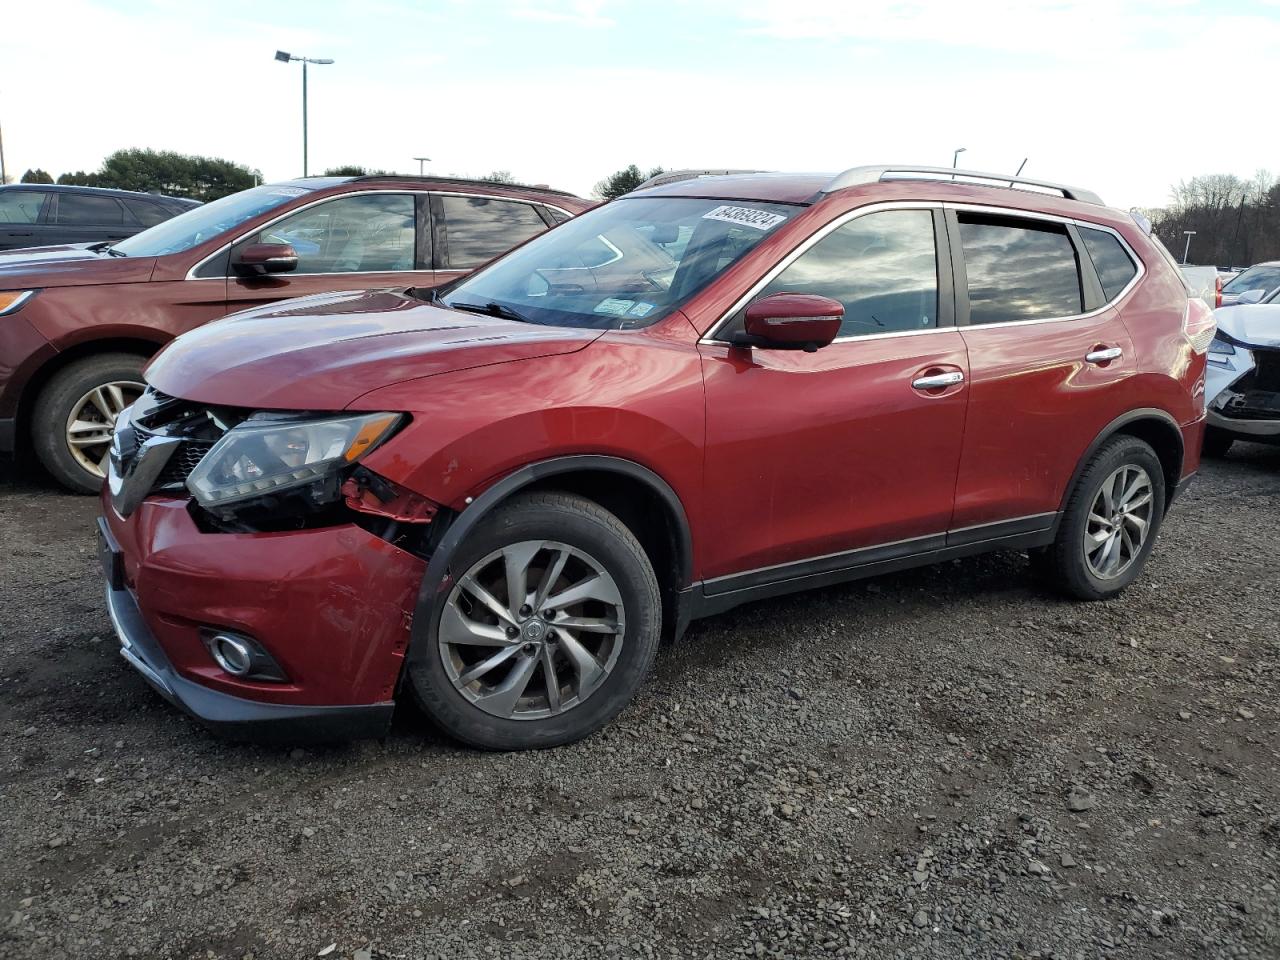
(114, 252)
(492, 309)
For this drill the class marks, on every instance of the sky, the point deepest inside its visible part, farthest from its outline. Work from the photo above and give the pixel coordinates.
(1124, 97)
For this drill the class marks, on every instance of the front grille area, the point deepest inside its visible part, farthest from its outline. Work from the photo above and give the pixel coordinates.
(196, 426)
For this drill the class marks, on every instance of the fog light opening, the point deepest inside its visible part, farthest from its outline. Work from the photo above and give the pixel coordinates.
(232, 654)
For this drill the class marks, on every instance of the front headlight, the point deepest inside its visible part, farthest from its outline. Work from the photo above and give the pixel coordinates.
(1220, 349)
(265, 455)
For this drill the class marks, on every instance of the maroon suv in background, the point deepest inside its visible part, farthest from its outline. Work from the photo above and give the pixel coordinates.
(78, 323)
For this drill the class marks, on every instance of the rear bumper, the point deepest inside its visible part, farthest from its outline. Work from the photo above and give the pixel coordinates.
(235, 717)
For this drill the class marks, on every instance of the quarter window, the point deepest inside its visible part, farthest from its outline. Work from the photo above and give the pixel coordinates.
(480, 228)
(81, 210)
(1114, 267)
(374, 233)
(147, 213)
(20, 206)
(883, 267)
(1019, 270)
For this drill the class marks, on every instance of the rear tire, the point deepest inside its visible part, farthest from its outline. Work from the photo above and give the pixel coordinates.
(1216, 443)
(485, 642)
(115, 380)
(1110, 524)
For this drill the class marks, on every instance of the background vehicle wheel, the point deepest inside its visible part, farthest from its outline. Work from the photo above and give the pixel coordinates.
(75, 413)
(551, 626)
(1110, 524)
(1216, 443)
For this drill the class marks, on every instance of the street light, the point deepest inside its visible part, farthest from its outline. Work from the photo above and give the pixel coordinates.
(421, 161)
(956, 156)
(1187, 249)
(286, 58)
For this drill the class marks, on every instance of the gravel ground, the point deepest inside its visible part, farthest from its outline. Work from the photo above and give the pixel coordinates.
(941, 763)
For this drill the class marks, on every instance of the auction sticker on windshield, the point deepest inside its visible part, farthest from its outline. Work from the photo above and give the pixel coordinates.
(745, 217)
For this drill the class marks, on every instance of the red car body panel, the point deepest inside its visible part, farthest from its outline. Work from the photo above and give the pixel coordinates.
(776, 457)
(337, 602)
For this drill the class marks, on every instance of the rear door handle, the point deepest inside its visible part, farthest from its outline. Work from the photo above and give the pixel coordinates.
(933, 382)
(1102, 356)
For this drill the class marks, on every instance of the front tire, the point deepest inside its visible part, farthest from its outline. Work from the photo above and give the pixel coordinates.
(1110, 525)
(551, 625)
(75, 414)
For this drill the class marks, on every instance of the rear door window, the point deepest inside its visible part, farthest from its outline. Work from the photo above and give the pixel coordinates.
(477, 229)
(147, 213)
(1019, 270)
(21, 206)
(1113, 264)
(82, 210)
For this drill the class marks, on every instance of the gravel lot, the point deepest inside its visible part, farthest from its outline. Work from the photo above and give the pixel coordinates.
(942, 763)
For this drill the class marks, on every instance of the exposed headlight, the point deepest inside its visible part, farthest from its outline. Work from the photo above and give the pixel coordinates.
(11, 301)
(1220, 350)
(260, 455)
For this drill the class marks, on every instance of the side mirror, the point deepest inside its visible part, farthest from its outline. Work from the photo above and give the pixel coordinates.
(1252, 296)
(793, 320)
(260, 259)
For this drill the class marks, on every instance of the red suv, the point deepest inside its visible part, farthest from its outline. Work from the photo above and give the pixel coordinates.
(501, 496)
(78, 323)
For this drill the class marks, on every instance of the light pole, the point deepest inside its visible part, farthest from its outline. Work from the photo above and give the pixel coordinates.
(1187, 249)
(421, 161)
(285, 58)
(956, 156)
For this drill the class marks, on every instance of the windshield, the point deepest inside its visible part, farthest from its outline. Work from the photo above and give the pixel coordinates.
(626, 264)
(1255, 278)
(205, 222)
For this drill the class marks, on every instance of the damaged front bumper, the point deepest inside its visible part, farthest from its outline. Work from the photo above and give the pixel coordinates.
(1244, 393)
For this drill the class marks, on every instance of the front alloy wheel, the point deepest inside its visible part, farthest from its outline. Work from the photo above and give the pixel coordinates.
(549, 626)
(532, 630)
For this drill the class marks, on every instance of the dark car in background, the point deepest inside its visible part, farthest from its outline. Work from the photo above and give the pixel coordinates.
(78, 323)
(40, 214)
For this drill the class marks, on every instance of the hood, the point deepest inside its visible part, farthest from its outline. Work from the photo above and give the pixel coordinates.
(69, 266)
(322, 352)
(1253, 324)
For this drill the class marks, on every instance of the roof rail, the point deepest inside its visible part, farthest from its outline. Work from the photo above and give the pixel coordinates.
(858, 176)
(461, 181)
(675, 176)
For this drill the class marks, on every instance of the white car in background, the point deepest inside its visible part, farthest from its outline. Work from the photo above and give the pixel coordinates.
(1242, 377)
(1261, 276)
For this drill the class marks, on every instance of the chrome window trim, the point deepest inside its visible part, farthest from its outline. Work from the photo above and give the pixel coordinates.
(710, 336)
(341, 196)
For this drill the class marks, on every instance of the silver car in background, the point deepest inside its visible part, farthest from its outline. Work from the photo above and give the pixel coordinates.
(1261, 276)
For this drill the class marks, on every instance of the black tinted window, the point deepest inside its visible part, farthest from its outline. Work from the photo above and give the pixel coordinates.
(1019, 271)
(1115, 268)
(147, 213)
(882, 267)
(82, 210)
(20, 206)
(480, 228)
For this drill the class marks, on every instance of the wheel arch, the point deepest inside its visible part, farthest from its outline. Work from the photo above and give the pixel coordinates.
(1152, 425)
(626, 488)
(41, 376)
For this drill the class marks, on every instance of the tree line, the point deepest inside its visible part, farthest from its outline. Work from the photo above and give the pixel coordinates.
(1236, 221)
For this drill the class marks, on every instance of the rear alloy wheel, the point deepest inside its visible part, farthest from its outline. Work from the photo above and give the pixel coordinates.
(550, 626)
(1110, 524)
(75, 415)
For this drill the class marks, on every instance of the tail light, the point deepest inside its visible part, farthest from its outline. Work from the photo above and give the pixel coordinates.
(1217, 293)
(1199, 325)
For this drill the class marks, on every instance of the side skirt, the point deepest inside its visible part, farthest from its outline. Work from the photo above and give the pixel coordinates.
(724, 593)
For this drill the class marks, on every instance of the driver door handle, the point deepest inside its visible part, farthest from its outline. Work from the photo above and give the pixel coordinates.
(1102, 356)
(933, 382)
